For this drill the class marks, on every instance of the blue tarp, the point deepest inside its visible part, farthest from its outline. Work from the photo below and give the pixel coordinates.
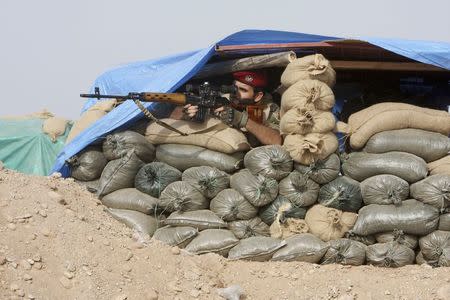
(169, 73)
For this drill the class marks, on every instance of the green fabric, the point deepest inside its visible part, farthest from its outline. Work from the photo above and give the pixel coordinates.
(25, 148)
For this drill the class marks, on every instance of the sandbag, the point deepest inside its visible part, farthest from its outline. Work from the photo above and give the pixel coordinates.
(306, 149)
(257, 189)
(419, 259)
(398, 119)
(301, 120)
(390, 254)
(299, 189)
(132, 199)
(218, 241)
(329, 223)
(440, 166)
(175, 236)
(314, 66)
(199, 219)
(412, 217)
(118, 144)
(256, 248)
(230, 206)
(138, 221)
(90, 116)
(397, 236)
(181, 196)
(366, 240)
(243, 229)
(184, 157)
(87, 165)
(154, 177)
(428, 145)
(211, 134)
(384, 189)
(435, 248)
(321, 171)
(271, 161)
(283, 227)
(269, 212)
(343, 193)
(208, 180)
(433, 190)
(119, 174)
(54, 127)
(345, 252)
(361, 166)
(444, 222)
(304, 247)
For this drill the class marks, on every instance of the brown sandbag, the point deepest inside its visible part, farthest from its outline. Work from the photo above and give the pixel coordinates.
(230, 206)
(208, 180)
(306, 149)
(304, 247)
(119, 174)
(440, 166)
(390, 254)
(300, 120)
(200, 219)
(138, 221)
(243, 229)
(132, 199)
(321, 171)
(311, 94)
(175, 236)
(384, 189)
(398, 236)
(211, 134)
(118, 144)
(412, 217)
(433, 190)
(444, 222)
(181, 196)
(283, 227)
(299, 189)
(329, 223)
(435, 248)
(345, 252)
(271, 161)
(314, 66)
(398, 119)
(257, 189)
(428, 145)
(54, 127)
(218, 241)
(360, 165)
(87, 165)
(256, 248)
(183, 157)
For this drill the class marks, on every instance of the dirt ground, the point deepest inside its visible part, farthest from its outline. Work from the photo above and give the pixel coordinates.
(56, 242)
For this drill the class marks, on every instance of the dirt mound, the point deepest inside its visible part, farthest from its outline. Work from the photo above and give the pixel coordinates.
(57, 242)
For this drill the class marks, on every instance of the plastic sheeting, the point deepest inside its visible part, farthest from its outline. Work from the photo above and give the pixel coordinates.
(168, 73)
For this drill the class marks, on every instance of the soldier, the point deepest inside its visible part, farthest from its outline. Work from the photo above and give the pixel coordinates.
(252, 113)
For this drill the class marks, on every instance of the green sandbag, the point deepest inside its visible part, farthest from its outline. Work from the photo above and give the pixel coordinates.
(218, 241)
(299, 189)
(435, 248)
(399, 237)
(199, 219)
(322, 171)
(366, 240)
(271, 161)
(208, 180)
(428, 145)
(269, 212)
(390, 254)
(257, 189)
(243, 229)
(384, 189)
(256, 248)
(360, 165)
(87, 165)
(118, 144)
(230, 206)
(433, 190)
(181, 196)
(345, 252)
(132, 199)
(175, 236)
(138, 221)
(343, 193)
(154, 177)
(444, 222)
(302, 247)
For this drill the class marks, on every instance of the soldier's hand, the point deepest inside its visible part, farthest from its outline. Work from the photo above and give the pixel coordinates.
(189, 111)
(232, 117)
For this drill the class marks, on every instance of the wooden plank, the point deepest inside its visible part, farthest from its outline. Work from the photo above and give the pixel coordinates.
(384, 66)
(271, 46)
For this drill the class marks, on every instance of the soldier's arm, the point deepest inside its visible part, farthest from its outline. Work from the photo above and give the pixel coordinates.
(266, 135)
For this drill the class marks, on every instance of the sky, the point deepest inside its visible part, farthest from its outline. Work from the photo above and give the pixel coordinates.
(52, 50)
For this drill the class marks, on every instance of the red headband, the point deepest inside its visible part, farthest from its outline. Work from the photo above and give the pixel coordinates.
(254, 79)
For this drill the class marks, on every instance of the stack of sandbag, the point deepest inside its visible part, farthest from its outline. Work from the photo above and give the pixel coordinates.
(307, 123)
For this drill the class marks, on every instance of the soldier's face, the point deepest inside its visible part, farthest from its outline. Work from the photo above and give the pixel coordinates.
(244, 91)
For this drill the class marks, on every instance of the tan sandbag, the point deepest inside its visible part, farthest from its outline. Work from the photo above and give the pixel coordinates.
(314, 66)
(358, 118)
(54, 127)
(440, 166)
(303, 121)
(306, 149)
(89, 117)
(398, 119)
(329, 223)
(212, 134)
(283, 228)
(312, 94)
